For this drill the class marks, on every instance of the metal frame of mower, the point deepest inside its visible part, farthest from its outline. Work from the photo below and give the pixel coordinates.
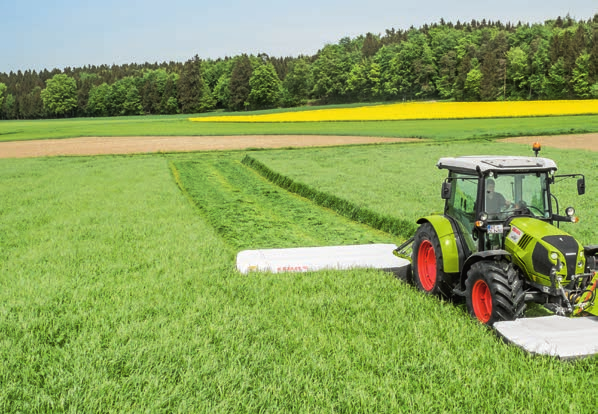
(500, 258)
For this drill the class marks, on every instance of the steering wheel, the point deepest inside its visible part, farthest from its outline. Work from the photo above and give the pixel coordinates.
(537, 209)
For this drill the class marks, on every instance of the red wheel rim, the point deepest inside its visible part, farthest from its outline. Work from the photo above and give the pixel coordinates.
(426, 265)
(481, 299)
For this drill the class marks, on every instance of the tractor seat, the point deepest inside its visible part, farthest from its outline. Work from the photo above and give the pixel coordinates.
(590, 250)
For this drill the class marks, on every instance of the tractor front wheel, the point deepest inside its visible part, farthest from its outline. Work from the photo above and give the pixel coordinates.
(428, 268)
(494, 292)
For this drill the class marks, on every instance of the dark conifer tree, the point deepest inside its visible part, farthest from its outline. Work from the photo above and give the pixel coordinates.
(239, 83)
(190, 86)
(493, 67)
(593, 69)
(371, 45)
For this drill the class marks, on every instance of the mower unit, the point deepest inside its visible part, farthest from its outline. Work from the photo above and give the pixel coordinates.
(308, 259)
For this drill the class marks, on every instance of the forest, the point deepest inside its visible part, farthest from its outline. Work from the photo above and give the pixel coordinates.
(474, 61)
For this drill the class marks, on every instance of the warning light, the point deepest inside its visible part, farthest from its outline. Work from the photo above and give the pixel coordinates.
(537, 147)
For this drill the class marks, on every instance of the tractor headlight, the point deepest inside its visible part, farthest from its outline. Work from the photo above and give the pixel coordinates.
(570, 211)
(481, 222)
(554, 257)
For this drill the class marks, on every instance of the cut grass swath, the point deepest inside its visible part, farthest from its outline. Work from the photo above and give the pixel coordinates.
(250, 212)
(393, 225)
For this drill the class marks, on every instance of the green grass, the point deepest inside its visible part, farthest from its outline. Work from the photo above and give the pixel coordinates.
(118, 294)
(180, 125)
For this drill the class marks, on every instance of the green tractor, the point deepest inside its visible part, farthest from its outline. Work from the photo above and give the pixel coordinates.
(499, 243)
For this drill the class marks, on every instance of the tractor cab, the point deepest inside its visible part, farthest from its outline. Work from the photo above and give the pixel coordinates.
(484, 193)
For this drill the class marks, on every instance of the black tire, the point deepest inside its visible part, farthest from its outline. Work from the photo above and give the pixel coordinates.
(427, 263)
(494, 292)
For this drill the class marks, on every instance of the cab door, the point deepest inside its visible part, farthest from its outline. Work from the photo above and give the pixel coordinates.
(461, 206)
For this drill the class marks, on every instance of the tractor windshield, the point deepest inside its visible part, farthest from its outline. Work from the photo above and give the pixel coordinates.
(513, 194)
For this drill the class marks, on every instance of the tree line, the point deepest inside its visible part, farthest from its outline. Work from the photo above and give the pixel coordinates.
(475, 61)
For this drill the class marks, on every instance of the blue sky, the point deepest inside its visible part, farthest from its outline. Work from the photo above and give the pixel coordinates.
(40, 34)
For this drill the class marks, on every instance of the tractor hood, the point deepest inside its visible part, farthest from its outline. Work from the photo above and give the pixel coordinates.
(538, 247)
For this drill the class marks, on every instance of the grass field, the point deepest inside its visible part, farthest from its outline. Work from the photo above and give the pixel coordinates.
(118, 293)
(178, 125)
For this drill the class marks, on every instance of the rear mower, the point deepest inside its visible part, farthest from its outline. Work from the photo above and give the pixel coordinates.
(499, 244)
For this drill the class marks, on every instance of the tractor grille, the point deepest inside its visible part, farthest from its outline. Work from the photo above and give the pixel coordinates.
(525, 241)
(569, 247)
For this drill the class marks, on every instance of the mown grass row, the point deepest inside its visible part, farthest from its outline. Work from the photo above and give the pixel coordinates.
(249, 212)
(393, 225)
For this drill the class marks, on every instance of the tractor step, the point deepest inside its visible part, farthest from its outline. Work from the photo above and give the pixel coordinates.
(307, 259)
(557, 336)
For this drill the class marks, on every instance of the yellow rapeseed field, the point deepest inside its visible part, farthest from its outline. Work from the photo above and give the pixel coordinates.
(423, 110)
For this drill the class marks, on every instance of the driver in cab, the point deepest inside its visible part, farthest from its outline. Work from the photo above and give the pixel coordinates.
(495, 202)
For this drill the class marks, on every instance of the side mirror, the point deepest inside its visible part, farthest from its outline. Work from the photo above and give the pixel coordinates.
(446, 191)
(581, 186)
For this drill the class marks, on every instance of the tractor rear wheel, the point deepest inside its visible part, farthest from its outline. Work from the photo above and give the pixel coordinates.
(494, 292)
(428, 267)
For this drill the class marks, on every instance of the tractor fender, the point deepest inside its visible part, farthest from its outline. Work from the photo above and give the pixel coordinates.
(479, 256)
(448, 242)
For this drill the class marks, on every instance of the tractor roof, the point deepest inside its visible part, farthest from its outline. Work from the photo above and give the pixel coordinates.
(498, 163)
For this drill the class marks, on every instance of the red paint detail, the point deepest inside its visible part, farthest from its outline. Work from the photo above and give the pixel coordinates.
(426, 265)
(481, 300)
(292, 269)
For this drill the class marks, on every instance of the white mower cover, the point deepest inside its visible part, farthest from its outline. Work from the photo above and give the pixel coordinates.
(308, 259)
(557, 336)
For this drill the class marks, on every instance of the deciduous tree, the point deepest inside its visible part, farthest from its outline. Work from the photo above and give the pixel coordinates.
(298, 82)
(265, 87)
(2, 93)
(331, 71)
(60, 95)
(581, 76)
(555, 86)
(473, 82)
(97, 104)
(517, 71)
